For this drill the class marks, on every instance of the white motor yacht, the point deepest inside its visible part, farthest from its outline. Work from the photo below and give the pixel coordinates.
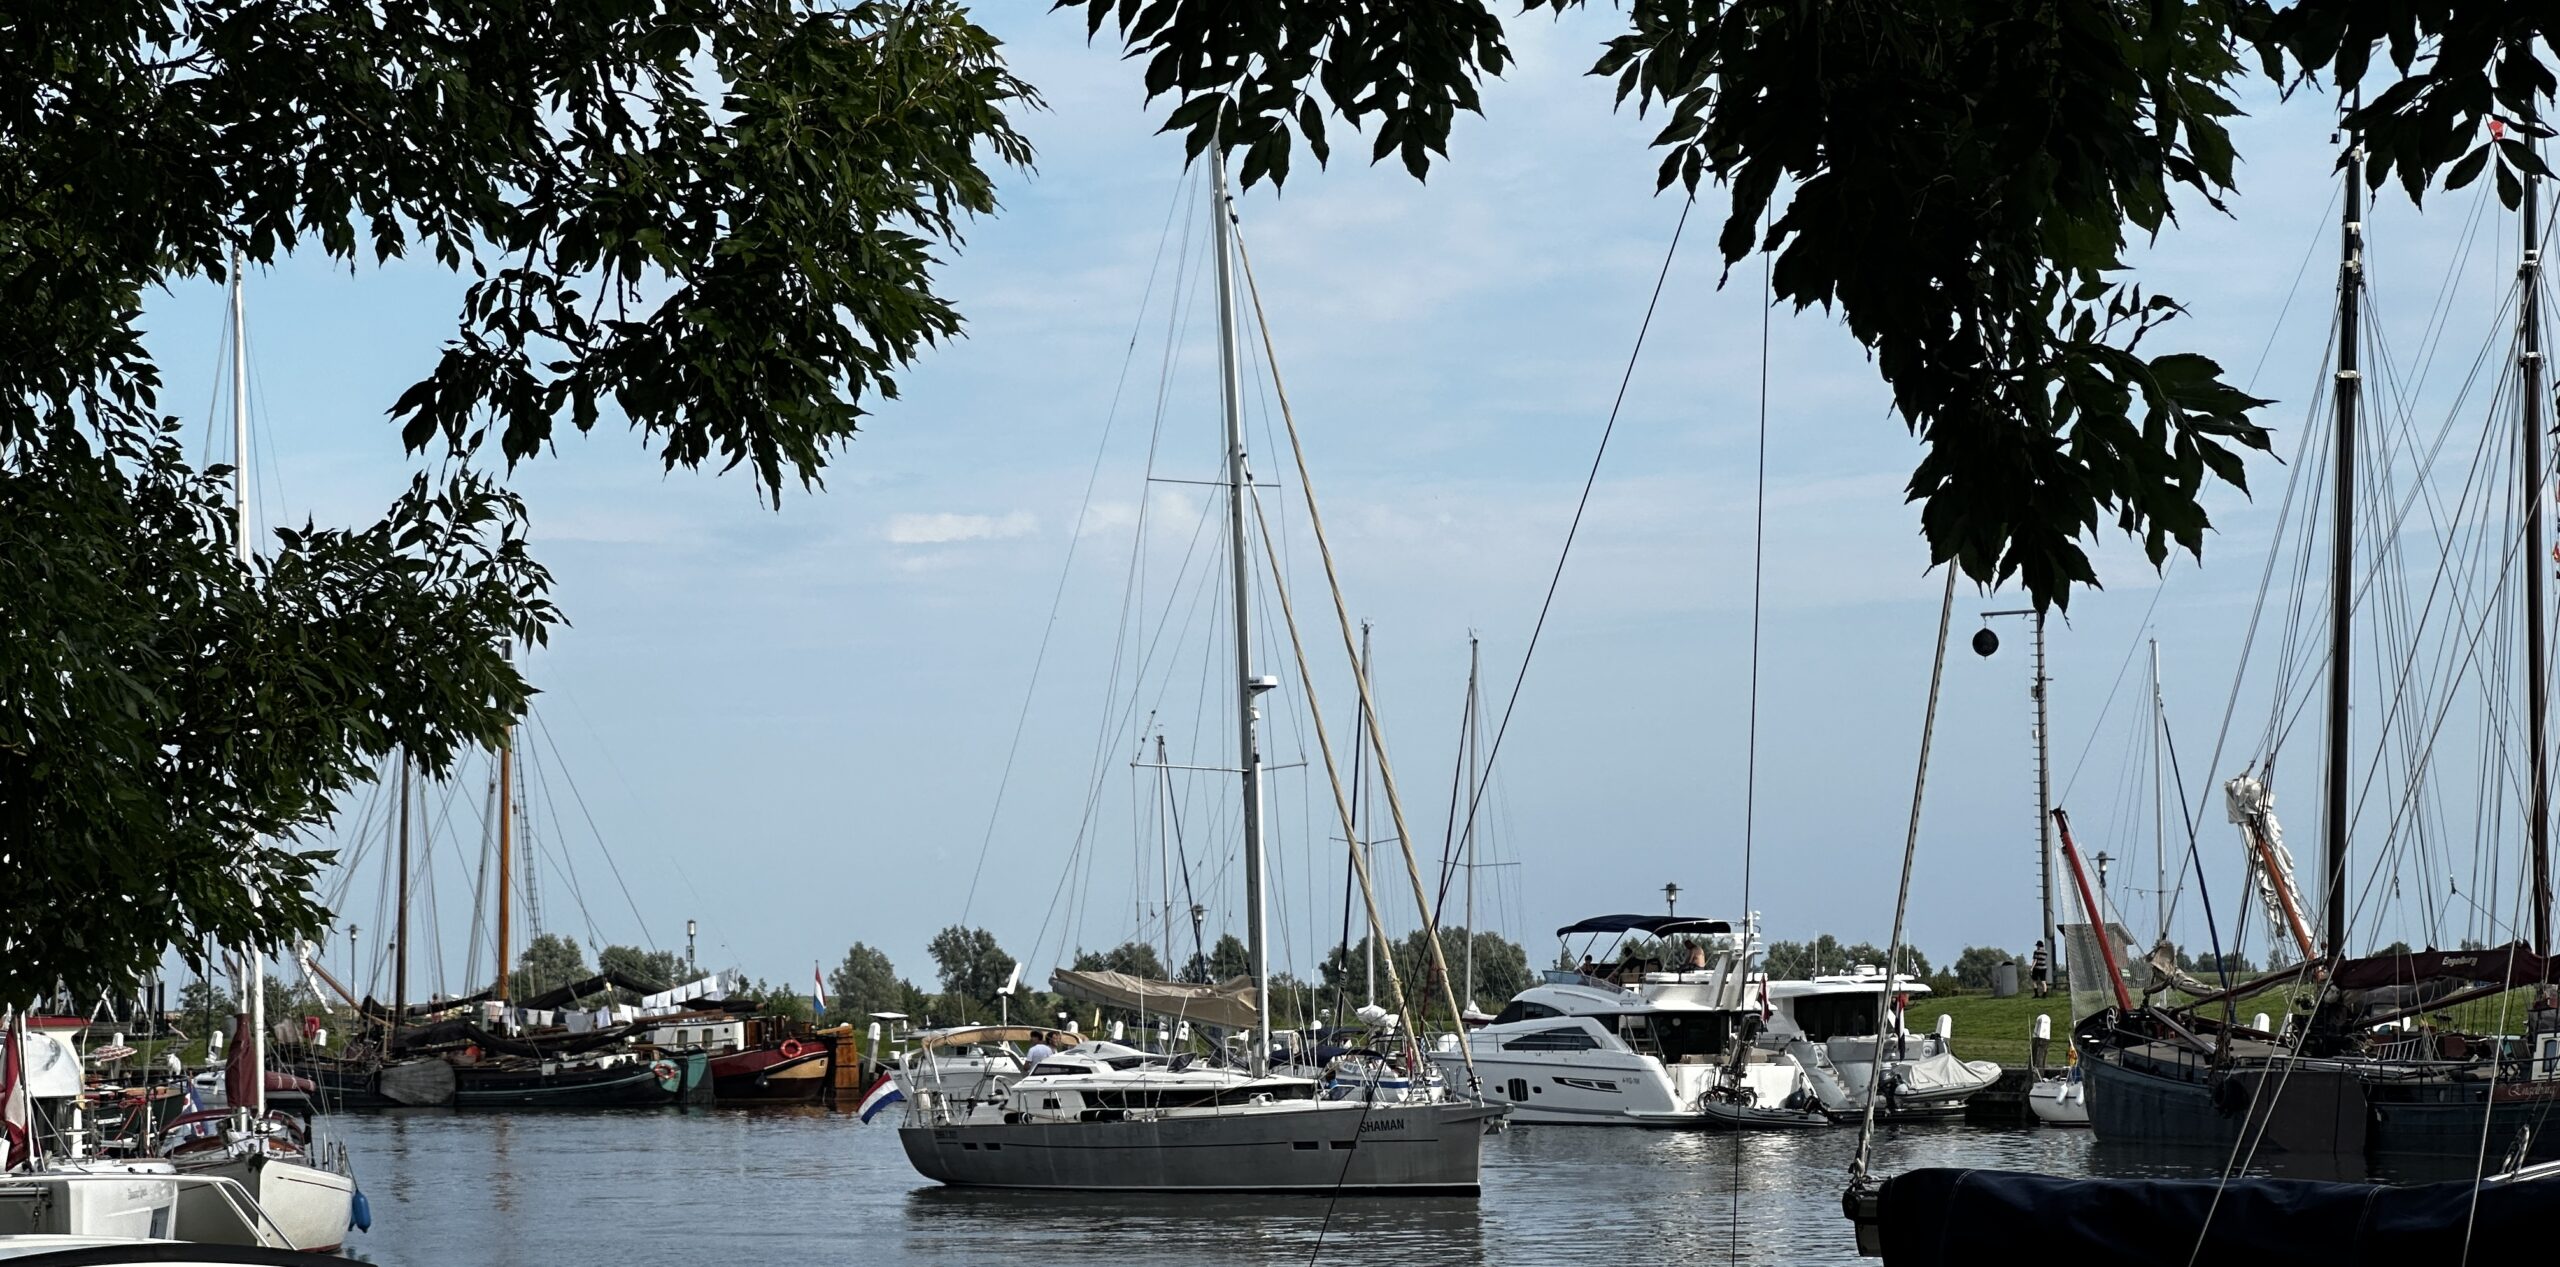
(1828, 1027)
(1639, 1043)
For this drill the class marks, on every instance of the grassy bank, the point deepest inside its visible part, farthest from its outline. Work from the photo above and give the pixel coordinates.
(1994, 1029)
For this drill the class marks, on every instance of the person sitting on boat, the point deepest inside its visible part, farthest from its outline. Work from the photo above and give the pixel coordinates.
(1040, 1050)
(1697, 956)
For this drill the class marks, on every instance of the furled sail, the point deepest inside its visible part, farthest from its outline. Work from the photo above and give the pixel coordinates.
(2252, 806)
(1226, 1005)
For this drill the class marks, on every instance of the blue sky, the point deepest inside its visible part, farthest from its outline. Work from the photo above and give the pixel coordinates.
(790, 726)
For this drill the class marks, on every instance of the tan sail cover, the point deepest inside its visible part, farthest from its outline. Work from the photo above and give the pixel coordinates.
(1227, 1005)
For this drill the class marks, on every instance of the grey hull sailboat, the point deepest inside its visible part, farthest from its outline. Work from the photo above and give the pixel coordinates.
(1100, 1116)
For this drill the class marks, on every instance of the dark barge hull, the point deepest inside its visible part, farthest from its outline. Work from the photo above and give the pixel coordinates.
(636, 1084)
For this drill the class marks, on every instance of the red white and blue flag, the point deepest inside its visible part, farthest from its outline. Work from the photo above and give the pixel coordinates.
(882, 1094)
(818, 988)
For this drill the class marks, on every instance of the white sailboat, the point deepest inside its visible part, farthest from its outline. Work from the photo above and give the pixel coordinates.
(299, 1180)
(1101, 1116)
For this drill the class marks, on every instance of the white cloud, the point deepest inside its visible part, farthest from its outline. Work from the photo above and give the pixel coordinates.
(945, 528)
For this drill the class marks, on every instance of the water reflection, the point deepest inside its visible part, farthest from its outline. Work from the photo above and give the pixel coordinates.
(539, 1190)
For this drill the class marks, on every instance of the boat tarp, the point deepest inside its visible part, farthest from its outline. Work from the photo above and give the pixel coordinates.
(1654, 925)
(1944, 1217)
(2513, 964)
(1227, 1005)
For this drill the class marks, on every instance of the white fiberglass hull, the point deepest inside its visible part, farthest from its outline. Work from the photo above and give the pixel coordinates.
(2060, 1101)
(309, 1207)
(1302, 1146)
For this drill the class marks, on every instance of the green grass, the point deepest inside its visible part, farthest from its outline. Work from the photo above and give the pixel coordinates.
(1995, 1029)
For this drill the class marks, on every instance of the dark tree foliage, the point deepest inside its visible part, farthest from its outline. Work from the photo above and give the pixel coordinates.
(1956, 178)
(548, 962)
(972, 966)
(661, 969)
(1135, 958)
(1978, 967)
(716, 219)
(864, 983)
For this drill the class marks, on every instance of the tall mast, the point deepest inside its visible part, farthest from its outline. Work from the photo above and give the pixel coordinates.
(253, 967)
(1468, 846)
(2159, 805)
(506, 852)
(2529, 370)
(2044, 807)
(1368, 944)
(400, 934)
(2333, 862)
(1248, 686)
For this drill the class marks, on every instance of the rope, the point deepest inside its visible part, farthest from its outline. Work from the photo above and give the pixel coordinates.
(1751, 727)
(1902, 899)
(1494, 752)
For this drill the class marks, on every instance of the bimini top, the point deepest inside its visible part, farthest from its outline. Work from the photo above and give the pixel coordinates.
(1655, 925)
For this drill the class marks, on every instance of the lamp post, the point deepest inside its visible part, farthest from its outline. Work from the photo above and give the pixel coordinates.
(1671, 897)
(2102, 861)
(1984, 643)
(691, 968)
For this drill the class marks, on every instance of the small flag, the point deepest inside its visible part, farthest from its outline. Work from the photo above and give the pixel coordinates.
(17, 1110)
(882, 1094)
(817, 987)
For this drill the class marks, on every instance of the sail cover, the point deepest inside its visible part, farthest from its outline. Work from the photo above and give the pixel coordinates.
(1965, 1218)
(1226, 1005)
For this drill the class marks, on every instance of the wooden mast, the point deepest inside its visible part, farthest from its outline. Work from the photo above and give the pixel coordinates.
(2536, 685)
(400, 932)
(506, 851)
(2333, 862)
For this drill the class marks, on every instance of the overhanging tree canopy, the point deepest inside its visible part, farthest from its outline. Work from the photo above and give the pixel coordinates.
(1956, 178)
(718, 218)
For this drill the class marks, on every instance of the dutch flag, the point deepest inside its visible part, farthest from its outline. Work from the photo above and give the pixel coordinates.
(882, 1094)
(818, 988)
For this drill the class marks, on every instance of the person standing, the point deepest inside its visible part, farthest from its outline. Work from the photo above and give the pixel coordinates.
(1040, 1050)
(2040, 970)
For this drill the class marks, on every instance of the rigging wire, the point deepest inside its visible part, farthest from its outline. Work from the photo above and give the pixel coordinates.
(1574, 529)
(1751, 727)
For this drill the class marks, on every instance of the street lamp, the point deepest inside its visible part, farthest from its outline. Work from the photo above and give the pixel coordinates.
(1671, 897)
(1984, 643)
(690, 967)
(2102, 861)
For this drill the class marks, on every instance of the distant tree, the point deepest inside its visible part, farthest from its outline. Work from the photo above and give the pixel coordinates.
(1135, 958)
(549, 962)
(1913, 962)
(865, 983)
(2208, 964)
(1788, 960)
(785, 1001)
(1978, 967)
(971, 965)
(2395, 948)
(2474, 943)
(204, 1007)
(661, 969)
(1229, 958)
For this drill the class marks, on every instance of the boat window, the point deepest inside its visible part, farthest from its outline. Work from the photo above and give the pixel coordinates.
(1522, 1010)
(1059, 1071)
(1570, 1038)
(1825, 1016)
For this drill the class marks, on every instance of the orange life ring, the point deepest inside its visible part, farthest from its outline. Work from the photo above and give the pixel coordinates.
(793, 1049)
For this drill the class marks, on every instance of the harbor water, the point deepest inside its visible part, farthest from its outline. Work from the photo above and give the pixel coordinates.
(803, 1185)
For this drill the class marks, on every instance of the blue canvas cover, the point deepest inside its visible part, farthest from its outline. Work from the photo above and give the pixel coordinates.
(1946, 1217)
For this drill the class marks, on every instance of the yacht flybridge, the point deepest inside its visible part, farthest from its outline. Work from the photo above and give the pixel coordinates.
(1100, 1116)
(1679, 1031)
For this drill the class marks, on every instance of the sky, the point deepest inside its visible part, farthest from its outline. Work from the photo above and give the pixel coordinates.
(792, 726)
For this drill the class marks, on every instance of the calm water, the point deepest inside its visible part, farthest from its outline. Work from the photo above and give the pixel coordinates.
(765, 1186)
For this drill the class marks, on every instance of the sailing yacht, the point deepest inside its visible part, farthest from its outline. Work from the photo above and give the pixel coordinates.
(300, 1180)
(1102, 1116)
(2349, 1079)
